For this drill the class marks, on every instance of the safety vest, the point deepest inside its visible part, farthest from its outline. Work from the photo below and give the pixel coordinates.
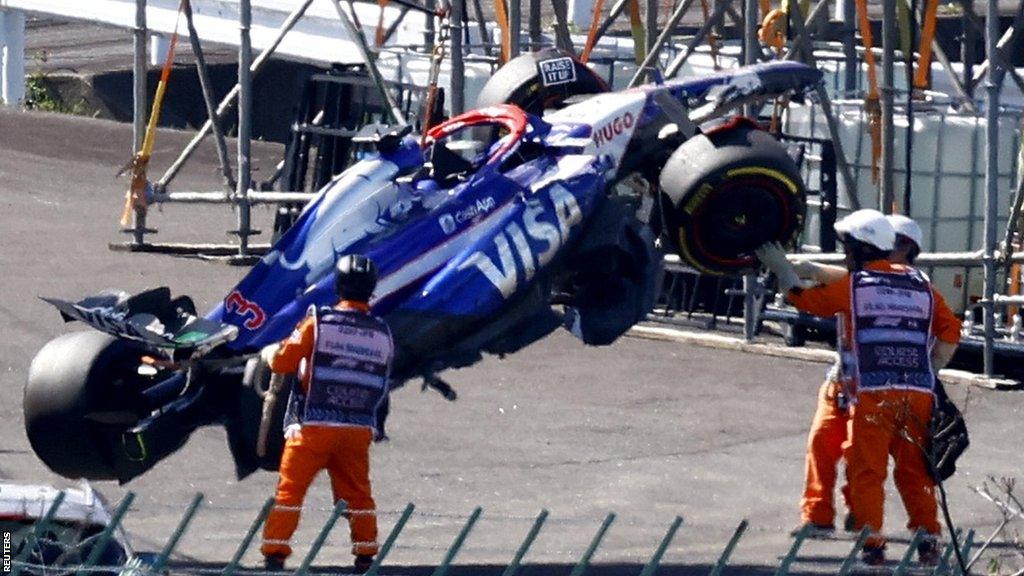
(892, 330)
(350, 366)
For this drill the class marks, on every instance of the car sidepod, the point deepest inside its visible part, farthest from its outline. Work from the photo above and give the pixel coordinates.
(514, 249)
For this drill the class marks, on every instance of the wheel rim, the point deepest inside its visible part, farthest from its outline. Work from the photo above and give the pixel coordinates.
(721, 225)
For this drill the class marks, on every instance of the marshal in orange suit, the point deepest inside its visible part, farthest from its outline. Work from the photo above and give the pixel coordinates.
(901, 332)
(343, 356)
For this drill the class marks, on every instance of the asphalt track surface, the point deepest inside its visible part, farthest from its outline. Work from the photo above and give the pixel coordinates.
(646, 429)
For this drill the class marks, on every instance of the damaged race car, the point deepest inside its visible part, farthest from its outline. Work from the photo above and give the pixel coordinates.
(552, 204)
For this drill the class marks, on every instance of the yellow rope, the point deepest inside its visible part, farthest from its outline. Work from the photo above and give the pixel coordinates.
(135, 197)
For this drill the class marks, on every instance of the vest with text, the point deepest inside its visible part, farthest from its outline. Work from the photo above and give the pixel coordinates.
(892, 325)
(351, 362)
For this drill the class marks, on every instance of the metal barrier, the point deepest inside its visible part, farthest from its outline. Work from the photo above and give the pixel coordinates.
(26, 559)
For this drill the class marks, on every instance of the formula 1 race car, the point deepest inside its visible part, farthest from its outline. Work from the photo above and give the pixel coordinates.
(543, 208)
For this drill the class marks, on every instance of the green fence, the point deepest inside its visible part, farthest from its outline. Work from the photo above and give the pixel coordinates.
(26, 558)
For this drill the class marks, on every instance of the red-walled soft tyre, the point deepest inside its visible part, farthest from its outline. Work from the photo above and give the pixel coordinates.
(730, 192)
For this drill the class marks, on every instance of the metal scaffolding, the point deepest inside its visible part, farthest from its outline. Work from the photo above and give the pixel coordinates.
(666, 50)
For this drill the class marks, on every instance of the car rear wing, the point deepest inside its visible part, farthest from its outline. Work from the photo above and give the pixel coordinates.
(152, 319)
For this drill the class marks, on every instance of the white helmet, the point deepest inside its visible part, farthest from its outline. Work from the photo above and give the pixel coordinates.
(868, 226)
(907, 227)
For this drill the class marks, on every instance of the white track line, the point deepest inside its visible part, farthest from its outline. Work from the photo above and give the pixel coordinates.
(723, 342)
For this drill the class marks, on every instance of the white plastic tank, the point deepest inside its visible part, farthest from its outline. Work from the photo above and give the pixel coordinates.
(948, 177)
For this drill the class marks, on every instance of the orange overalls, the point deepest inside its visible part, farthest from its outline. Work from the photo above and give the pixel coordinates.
(344, 451)
(824, 450)
(875, 429)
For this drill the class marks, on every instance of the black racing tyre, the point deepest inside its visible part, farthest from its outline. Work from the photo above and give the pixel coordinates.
(537, 81)
(614, 270)
(729, 192)
(73, 376)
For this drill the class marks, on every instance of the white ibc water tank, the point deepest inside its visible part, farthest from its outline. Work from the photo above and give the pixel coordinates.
(947, 183)
(414, 68)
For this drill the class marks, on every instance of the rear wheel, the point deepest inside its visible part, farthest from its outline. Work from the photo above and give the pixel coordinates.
(731, 191)
(71, 404)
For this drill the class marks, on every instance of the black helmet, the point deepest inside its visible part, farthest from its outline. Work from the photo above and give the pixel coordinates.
(356, 277)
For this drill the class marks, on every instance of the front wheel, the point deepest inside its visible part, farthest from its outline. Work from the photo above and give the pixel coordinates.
(729, 192)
